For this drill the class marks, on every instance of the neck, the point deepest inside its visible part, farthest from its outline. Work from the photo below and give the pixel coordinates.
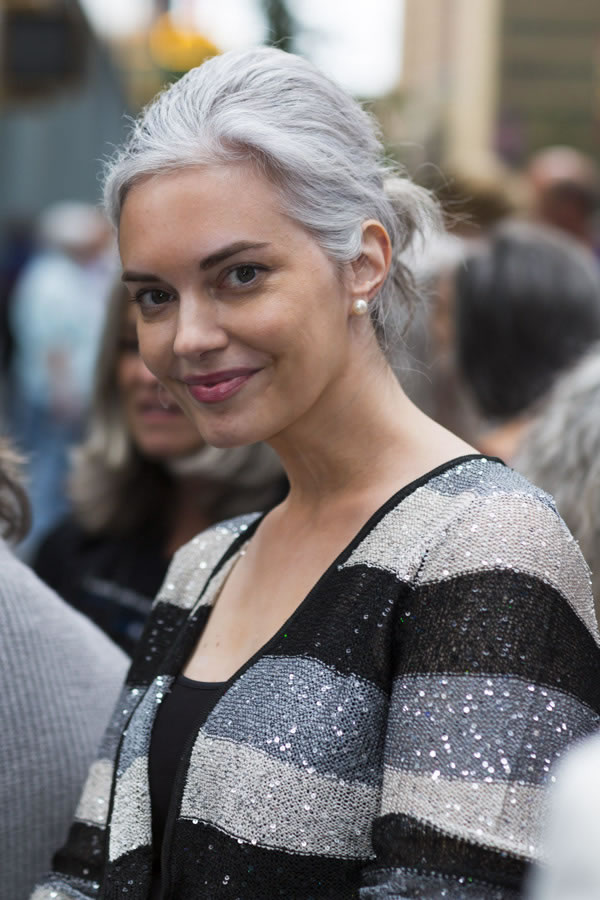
(367, 437)
(190, 512)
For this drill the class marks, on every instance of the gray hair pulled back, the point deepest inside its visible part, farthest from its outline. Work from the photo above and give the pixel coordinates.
(307, 136)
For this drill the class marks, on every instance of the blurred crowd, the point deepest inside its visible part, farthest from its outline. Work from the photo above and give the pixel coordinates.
(503, 350)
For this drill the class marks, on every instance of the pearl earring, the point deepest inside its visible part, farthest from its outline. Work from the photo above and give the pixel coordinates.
(359, 307)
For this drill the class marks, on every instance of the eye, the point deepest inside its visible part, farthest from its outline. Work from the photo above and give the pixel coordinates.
(153, 297)
(243, 275)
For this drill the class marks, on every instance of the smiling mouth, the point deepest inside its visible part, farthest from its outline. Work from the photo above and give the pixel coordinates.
(157, 409)
(218, 386)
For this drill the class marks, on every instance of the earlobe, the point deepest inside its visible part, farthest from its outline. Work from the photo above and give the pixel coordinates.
(370, 269)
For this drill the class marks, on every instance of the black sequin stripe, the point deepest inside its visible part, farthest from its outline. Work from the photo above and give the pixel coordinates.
(129, 877)
(346, 623)
(499, 622)
(401, 840)
(209, 863)
(83, 853)
(162, 633)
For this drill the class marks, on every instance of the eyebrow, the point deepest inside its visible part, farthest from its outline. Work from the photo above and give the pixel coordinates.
(206, 263)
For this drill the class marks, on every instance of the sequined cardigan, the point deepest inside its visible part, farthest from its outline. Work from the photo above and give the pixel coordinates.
(392, 740)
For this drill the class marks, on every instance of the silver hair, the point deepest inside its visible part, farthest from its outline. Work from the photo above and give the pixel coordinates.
(309, 137)
(561, 454)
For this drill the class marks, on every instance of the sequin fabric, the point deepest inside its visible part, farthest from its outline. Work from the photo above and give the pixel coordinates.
(394, 740)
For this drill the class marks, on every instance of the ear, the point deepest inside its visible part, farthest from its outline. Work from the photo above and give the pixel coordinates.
(369, 271)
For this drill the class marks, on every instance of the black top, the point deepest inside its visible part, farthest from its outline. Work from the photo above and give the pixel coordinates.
(112, 580)
(183, 710)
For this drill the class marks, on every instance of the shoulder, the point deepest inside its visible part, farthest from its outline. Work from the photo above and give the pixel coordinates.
(194, 563)
(478, 517)
(36, 623)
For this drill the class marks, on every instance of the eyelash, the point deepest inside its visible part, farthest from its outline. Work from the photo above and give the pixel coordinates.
(258, 269)
(138, 298)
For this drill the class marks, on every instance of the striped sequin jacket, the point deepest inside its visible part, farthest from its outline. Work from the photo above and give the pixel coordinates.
(392, 740)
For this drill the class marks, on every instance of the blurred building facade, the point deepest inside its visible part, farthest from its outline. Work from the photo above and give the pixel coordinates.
(496, 80)
(62, 106)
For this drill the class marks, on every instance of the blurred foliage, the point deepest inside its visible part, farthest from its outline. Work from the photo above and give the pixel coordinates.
(282, 26)
(176, 50)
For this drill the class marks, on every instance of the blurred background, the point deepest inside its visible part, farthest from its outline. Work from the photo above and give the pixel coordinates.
(471, 86)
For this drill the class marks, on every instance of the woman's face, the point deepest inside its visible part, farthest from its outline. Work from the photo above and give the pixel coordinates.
(241, 315)
(157, 432)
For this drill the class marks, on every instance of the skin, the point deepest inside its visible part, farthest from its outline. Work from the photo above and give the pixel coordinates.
(157, 432)
(160, 434)
(322, 394)
(565, 185)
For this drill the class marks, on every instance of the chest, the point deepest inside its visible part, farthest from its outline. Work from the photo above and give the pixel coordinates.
(256, 600)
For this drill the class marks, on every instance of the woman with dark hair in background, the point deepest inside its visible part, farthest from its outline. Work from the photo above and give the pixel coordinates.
(142, 485)
(358, 694)
(526, 306)
(60, 679)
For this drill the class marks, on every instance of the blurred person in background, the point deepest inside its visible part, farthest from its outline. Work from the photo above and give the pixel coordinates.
(17, 248)
(56, 313)
(428, 368)
(526, 306)
(560, 452)
(565, 188)
(143, 484)
(60, 680)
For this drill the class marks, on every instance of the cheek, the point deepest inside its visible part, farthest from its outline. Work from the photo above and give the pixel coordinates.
(125, 374)
(153, 347)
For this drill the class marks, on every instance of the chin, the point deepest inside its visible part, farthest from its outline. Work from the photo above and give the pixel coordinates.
(226, 439)
(160, 452)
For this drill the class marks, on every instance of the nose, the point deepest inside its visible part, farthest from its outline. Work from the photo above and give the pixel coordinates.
(199, 330)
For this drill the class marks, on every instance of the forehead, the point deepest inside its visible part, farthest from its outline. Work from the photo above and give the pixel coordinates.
(214, 205)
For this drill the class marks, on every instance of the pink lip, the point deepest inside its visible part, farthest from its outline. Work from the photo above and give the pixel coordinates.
(152, 412)
(218, 386)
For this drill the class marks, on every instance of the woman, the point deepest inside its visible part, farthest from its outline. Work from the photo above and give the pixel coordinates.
(60, 677)
(143, 484)
(526, 307)
(357, 716)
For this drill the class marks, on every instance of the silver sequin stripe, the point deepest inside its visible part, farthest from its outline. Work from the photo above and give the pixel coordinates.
(131, 823)
(501, 816)
(487, 728)
(399, 884)
(431, 537)
(65, 888)
(268, 803)
(297, 709)
(194, 562)
(93, 805)
(486, 477)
